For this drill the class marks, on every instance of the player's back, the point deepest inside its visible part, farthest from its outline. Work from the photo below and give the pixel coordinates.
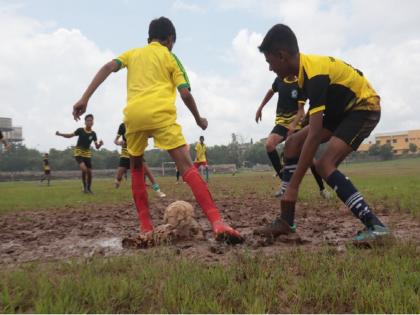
(152, 77)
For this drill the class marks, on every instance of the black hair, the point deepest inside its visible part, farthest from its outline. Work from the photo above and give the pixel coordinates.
(279, 37)
(161, 29)
(202, 137)
(88, 116)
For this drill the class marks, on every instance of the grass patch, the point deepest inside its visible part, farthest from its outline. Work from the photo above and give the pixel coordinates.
(382, 280)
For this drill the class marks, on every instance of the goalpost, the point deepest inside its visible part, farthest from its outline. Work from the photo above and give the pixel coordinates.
(168, 168)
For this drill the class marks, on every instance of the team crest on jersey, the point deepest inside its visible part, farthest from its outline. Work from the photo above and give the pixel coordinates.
(294, 94)
(90, 137)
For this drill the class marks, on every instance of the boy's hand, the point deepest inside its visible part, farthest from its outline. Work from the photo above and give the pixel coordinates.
(79, 109)
(258, 115)
(202, 123)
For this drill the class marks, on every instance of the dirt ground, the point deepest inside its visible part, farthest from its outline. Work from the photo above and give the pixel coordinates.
(99, 230)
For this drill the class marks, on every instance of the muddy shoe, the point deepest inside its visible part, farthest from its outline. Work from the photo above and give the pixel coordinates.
(371, 234)
(225, 233)
(279, 192)
(276, 228)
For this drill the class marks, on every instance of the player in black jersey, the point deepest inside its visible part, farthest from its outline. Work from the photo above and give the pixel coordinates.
(82, 152)
(47, 169)
(289, 114)
(124, 164)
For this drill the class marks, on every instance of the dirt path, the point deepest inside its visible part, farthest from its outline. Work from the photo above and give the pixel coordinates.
(99, 230)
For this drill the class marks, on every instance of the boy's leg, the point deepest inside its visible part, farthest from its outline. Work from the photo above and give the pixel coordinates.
(284, 223)
(83, 170)
(336, 151)
(190, 174)
(138, 188)
(206, 172)
(325, 194)
(119, 175)
(155, 185)
(89, 179)
(273, 140)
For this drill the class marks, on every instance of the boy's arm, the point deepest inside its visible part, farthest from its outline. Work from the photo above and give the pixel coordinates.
(65, 135)
(98, 144)
(189, 101)
(266, 99)
(307, 154)
(117, 141)
(298, 118)
(80, 107)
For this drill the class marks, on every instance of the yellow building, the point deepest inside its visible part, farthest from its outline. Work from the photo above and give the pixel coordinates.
(399, 141)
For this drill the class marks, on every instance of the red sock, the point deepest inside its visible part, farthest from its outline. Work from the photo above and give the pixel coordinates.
(202, 194)
(138, 188)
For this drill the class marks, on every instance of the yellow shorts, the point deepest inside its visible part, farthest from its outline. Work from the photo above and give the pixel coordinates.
(166, 138)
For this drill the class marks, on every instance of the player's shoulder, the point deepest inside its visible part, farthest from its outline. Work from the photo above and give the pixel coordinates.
(316, 64)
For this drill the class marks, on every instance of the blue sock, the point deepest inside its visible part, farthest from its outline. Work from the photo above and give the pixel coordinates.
(352, 198)
(288, 170)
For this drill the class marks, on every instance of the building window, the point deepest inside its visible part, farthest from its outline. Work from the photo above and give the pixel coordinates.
(406, 139)
(388, 141)
(378, 142)
(394, 140)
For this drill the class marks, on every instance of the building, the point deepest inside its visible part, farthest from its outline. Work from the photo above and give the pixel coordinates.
(400, 141)
(11, 133)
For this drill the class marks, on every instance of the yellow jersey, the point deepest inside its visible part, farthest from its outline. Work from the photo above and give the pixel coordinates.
(334, 86)
(153, 75)
(200, 150)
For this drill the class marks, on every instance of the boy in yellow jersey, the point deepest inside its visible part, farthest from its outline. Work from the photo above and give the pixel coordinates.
(289, 114)
(47, 169)
(201, 157)
(125, 163)
(82, 153)
(153, 76)
(343, 111)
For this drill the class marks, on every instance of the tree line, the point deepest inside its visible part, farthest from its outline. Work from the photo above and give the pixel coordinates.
(21, 158)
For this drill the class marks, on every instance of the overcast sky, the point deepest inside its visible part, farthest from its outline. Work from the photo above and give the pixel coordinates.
(51, 49)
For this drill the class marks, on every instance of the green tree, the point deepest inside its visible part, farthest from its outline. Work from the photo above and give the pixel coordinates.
(412, 147)
(386, 152)
(374, 150)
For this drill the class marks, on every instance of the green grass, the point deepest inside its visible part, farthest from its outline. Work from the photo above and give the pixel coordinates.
(393, 183)
(378, 281)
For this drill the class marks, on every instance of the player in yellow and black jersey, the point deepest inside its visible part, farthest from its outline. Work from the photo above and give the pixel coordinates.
(124, 164)
(289, 114)
(47, 169)
(343, 110)
(82, 152)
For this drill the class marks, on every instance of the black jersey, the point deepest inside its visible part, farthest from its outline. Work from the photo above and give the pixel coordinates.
(84, 141)
(121, 132)
(289, 96)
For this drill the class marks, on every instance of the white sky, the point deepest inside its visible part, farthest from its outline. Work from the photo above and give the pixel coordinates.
(49, 53)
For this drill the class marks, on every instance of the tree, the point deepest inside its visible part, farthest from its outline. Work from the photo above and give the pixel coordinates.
(386, 152)
(412, 147)
(374, 149)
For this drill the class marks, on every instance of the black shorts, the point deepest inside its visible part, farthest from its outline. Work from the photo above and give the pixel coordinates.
(124, 162)
(280, 130)
(353, 127)
(47, 172)
(82, 159)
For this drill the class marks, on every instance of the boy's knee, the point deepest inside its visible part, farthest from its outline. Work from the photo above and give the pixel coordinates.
(270, 146)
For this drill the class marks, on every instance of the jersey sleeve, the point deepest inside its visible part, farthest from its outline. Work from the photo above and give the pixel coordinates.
(302, 97)
(275, 85)
(317, 88)
(122, 60)
(94, 137)
(77, 132)
(179, 75)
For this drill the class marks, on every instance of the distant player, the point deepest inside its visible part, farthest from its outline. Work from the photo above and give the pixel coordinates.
(82, 152)
(289, 114)
(343, 110)
(4, 141)
(125, 163)
(47, 169)
(200, 161)
(154, 75)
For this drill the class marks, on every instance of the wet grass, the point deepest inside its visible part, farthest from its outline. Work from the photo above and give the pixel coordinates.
(381, 280)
